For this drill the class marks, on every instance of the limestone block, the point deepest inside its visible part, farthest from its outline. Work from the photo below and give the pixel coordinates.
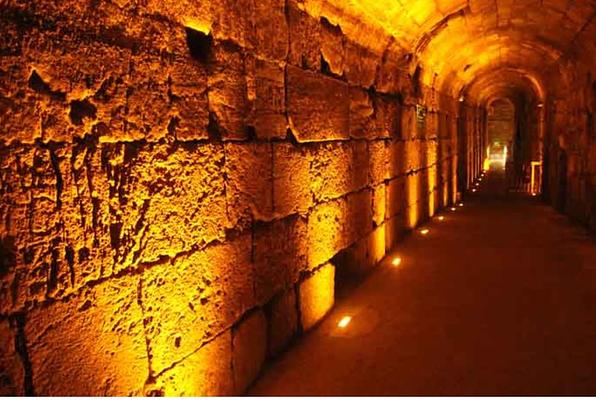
(396, 159)
(271, 29)
(316, 296)
(360, 65)
(332, 47)
(395, 197)
(196, 297)
(280, 255)
(394, 231)
(101, 329)
(305, 40)
(385, 121)
(12, 374)
(335, 225)
(266, 86)
(318, 106)
(282, 320)
(148, 103)
(188, 94)
(228, 96)
(249, 182)
(206, 372)
(337, 168)
(379, 203)
(361, 113)
(167, 199)
(291, 179)
(249, 344)
(379, 161)
(233, 20)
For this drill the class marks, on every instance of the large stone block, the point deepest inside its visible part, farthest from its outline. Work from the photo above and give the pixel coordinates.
(305, 39)
(396, 193)
(316, 296)
(266, 86)
(249, 182)
(361, 65)
(318, 106)
(332, 47)
(379, 203)
(249, 346)
(280, 255)
(335, 225)
(232, 20)
(385, 121)
(206, 372)
(337, 169)
(361, 113)
(271, 29)
(12, 374)
(228, 95)
(379, 161)
(92, 343)
(282, 319)
(291, 179)
(195, 298)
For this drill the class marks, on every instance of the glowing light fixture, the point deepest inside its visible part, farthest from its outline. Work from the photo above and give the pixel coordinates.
(453, 209)
(441, 218)
(424, 231)
(460, 205)
(474, 190)
(396, 261)
(344, 322)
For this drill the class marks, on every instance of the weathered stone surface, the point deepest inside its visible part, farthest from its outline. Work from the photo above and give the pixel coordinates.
(291, 179)
(379, 161)
(379, 203)
(335, 225)
(271, 29)
(361, 65)
(318, 106)
(12, 374)
(395, 197)
(249, 183)
(166, 200)
(232, 20)
(194, 298)
(316, 296)
(266, 85)
(361, 113)
(69, 342)
(282, 321)
(206, 372)
(305, 40)
(332, 48)
(385, 121)
(280, 255)
(228, 96)
(249, 346)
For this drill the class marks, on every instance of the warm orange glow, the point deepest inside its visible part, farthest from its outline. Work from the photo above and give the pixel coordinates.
(453, 209)
(396, 261)
(441, 218)
(424, 231)
(474, 190)
(460, 205)
(344, 322)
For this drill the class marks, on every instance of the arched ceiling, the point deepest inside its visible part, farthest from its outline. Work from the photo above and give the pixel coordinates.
(456, 41)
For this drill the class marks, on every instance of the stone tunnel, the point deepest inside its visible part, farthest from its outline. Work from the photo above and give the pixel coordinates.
(187, 186)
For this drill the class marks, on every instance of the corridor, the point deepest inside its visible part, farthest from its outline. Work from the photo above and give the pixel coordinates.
(498, 298)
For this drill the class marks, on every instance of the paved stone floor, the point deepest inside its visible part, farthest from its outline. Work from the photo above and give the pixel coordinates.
(499, 298)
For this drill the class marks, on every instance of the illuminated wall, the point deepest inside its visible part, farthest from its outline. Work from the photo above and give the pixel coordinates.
(176, 178)
(183, 182)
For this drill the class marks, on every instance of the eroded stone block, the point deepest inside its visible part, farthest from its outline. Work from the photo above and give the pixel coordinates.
(318, 106)
(195, 298)
(68, 342)
(282, 319)
(316, 296)
(12, 375)
(249, 344)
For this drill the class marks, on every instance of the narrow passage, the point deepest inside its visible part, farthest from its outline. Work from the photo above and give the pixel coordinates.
(498, 298)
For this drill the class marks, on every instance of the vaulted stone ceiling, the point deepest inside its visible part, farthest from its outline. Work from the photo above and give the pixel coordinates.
(457, 41)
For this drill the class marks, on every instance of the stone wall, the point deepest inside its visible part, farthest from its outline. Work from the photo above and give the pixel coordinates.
(179, 178)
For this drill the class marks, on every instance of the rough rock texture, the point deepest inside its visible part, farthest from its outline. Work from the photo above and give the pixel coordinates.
(170, 168)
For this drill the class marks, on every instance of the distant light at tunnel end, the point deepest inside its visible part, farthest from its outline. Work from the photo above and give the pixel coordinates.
(344, 322)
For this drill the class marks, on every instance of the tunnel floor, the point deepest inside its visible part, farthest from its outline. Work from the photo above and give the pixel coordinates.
(499, 298)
